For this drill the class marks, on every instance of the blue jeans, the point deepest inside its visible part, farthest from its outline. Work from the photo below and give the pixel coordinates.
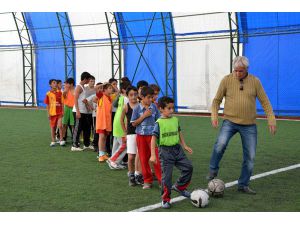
(248, 135)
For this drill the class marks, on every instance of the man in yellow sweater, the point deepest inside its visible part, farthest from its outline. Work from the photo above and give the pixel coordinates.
(240, 90)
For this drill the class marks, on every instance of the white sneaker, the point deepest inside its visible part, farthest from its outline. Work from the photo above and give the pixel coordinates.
(52, 144)
(112, 165)
(74, 149)
(62, 143)
(88, 147)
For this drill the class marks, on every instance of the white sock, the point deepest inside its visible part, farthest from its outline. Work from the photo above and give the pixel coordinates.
(101, 153)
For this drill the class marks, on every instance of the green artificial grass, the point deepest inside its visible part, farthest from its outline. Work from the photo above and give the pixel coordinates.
(36, 177)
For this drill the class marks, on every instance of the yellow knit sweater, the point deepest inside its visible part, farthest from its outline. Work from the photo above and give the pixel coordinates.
(240, 105)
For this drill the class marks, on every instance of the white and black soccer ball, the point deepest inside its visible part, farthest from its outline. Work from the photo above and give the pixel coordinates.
(216, 188)
(199, 198)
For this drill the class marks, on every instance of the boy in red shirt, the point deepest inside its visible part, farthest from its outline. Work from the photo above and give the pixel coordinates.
(54, 102)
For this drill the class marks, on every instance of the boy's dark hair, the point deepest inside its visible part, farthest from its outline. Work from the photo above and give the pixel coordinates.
(142, 83)
(58, 81)
(123, 79)
(51, 80)
(92, 77)
(131, 88)
(164, 101)
(99, 83)
(106, 86)
(147, 91)
(155, 87)
(124, 85)
(70, 81)
(112, 80)
(85, 75)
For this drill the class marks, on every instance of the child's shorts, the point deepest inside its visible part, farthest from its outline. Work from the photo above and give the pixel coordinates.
(103, 132)
(54, 120)
(68, 116)
(131, 144)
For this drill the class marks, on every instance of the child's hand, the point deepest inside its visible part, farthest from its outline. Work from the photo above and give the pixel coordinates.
(153, 159)
(147, 113)
(188, 149)
(78, 115)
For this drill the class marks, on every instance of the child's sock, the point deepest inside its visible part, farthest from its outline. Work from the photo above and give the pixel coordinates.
(101, 153)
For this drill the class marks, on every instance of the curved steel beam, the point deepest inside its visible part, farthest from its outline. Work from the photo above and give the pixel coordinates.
(27, 51)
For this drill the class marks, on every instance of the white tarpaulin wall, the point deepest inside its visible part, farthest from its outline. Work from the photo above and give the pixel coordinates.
(90, 29)
(11, 67)
(201, 64)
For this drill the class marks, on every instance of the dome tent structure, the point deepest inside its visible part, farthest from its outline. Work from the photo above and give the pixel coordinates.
(186, 54)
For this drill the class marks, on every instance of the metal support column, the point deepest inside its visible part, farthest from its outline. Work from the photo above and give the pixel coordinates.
(141, 51)
(68, 41)
(25, 40)
(234, 37)
(115, 43)
(170, 45)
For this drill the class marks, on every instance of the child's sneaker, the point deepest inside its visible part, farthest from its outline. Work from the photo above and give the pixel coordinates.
(147, 186)
(52, 144)
(91, 147)
(165, 205)
(62, 143)
(139, 180)
(76, 148)
(102, 158)
(131, 179)
(184, 192)
(112, 165)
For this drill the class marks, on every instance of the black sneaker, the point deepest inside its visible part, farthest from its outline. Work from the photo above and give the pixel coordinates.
(139, 180)
(246, 190)
(184, 192)
(210, 176)
(131, 178)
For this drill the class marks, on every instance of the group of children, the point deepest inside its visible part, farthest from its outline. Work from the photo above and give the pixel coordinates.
(141, 128)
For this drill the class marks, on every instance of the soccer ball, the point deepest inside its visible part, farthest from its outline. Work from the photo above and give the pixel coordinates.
(216, 188)
(199, 198)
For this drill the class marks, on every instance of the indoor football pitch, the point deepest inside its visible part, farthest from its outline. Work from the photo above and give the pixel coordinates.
(36, 177)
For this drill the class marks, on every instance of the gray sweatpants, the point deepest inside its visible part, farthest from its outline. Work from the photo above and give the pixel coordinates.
(171, 156)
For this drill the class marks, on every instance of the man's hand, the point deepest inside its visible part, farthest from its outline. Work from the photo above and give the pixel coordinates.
(215, 123)
(153, 159)
(188, 149)
(272, 129)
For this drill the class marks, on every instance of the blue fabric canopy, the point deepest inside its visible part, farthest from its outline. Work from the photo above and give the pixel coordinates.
(50, 55)
(271, 41)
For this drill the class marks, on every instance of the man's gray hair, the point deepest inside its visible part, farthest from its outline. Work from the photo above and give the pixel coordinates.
(240, 61)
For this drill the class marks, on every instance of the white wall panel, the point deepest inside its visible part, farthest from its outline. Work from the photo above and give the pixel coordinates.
(92, 25)
(95, 60)
(11, 76)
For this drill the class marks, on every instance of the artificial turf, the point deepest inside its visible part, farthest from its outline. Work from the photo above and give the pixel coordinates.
(36, 177)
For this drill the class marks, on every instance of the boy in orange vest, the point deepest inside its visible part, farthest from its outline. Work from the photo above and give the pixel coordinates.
(54, 102)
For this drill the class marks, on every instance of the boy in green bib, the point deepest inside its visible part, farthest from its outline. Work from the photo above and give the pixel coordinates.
(168, 137)
(119, 142)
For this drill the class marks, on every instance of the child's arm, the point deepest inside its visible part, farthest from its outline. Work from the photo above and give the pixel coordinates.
(47, 107)
(153, 146)
(122, 119)
(187, 148)
(146, 114)
(77, 93)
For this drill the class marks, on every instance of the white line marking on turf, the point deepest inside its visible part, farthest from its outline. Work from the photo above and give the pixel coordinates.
(227, 185)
